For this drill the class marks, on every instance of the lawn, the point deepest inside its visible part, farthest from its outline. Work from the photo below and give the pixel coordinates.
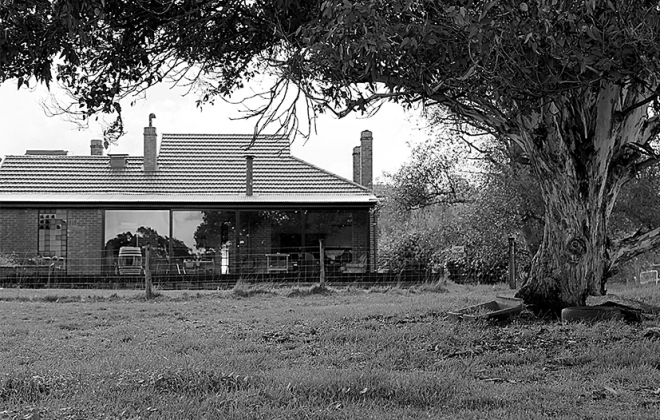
(288, 353)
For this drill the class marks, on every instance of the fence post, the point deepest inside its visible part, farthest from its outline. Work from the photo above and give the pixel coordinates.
(147, 273)
(322, 261)
(512, 263)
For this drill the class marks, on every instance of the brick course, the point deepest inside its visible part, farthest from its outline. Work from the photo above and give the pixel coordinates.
(19, 232)
(85, 242)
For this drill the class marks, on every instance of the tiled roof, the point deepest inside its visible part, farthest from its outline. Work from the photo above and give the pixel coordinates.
(191, 168)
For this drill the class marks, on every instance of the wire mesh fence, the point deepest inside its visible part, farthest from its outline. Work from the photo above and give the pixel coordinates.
(125, 269)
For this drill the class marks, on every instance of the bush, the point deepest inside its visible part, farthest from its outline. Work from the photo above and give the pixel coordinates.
(477, 271)
(8, 260)
(410, 252)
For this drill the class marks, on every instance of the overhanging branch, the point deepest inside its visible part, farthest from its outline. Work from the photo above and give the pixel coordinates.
(362, 104)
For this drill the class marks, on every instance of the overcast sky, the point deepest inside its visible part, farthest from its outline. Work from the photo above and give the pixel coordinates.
(24, 126)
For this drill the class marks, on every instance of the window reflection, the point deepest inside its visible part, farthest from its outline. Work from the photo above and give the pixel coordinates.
(335, 228)
(208, 236)
(228, 242)
(254, 240)
(286, 232)
(137, 228)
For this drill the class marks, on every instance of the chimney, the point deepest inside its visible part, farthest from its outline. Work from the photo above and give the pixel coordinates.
(150, 147)
(366, 159)
(356, 165)
(249, 160)
(97, 147)
(118, 161)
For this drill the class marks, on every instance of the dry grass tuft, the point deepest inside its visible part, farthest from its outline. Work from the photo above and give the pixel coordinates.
(320, 290)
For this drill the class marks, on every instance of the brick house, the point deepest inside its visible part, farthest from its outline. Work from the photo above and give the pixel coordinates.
(217, 204)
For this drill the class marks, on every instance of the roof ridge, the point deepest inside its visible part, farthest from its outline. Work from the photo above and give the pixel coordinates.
(278, 136)
(42, 157)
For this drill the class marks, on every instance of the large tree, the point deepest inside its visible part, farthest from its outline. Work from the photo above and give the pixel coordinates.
(572, 83)
(569, 82)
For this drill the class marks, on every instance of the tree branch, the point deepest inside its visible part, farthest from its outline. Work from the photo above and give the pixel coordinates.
(625, 249)
(647, 163)
(622, 114)
(650, 129)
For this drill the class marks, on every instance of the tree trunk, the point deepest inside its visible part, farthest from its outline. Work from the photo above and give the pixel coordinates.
(580, 152)
(571, 261)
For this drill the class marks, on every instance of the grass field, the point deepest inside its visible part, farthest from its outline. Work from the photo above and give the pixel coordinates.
(277, 353)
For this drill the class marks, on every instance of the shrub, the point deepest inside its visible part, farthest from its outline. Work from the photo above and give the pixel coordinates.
(413, 251)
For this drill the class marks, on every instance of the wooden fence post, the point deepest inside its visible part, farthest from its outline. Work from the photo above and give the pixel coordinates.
(322, 261)
(147, 273)
(512, 263)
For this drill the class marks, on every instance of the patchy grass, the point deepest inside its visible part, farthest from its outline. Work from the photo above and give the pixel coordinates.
(319, 353)
(243, 289)
(321, 290)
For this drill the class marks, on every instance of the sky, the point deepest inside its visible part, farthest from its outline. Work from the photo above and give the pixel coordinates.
(25, 126)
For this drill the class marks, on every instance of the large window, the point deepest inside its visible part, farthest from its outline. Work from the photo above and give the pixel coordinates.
(205, 240)
(136, 228)
(286, 231)
(335, 228)
(231, 241)
(280, 240)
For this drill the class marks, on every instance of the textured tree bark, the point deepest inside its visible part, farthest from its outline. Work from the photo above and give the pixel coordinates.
(571, 260)
(577, 146)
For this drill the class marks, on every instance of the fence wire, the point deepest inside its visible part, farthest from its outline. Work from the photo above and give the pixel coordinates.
(126, 270)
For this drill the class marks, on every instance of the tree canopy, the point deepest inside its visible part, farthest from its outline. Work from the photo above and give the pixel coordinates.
(573, 84)
(490, 62)
(103, 51)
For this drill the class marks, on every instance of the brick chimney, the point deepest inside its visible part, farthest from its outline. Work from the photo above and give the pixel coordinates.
(366, 159)
(356, 165)
(363, 160)
(249, 174)
(150, 147)
(96, 147)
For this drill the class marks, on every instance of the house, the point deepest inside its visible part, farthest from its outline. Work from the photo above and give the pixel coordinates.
(203, 203)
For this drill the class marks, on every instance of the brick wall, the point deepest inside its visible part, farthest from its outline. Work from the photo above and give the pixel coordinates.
(373, 238)
(85, 241)
(19, 232)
